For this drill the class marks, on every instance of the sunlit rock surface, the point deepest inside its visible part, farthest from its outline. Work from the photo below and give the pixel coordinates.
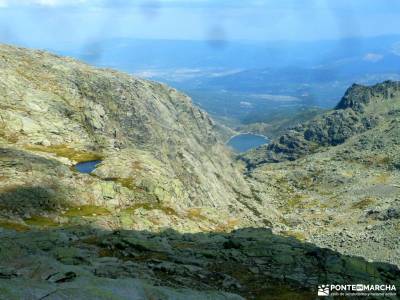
(169, 213)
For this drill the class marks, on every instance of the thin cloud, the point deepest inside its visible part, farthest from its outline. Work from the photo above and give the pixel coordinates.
(373, 57)
(125, 3)
(49, 3)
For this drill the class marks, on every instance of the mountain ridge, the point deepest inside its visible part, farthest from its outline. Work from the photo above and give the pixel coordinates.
(168, 213)
(350, 117)
(334, 180)
(152, 141)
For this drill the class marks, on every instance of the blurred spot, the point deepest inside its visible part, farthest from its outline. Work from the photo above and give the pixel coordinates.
(217, 37)
(347, 27)
(6, 34)
(373, 57)
(150, 8)
(396, 48)
(245, 104)
(92, 52)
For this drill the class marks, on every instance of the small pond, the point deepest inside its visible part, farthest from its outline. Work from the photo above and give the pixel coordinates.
(87, 166)
(246, 141)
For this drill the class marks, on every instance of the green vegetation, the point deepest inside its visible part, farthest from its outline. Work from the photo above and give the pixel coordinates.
(382, 178)
(296, 201)
(364, 203)
(41, 221)
(296, 234)
(67, 152)
(13, 226)
(125, 182)
(195, 214)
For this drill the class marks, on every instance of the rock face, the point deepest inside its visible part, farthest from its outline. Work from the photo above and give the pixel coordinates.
(338, 184)
(84, 263)
(168, 214)
(354, 114)
(155, 146)
(358, 96)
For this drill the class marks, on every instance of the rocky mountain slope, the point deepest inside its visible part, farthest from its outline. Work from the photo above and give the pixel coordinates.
(337, 183)
(362, 108)
(157, 149)
(168, 213)
(85, 263)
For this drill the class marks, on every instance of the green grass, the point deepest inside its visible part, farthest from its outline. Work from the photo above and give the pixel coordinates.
(296, 234)
(125, 182)
(67, 152)
(365, 202)
(195, 214)
(41, 221)
(296, 201)
(13, 226)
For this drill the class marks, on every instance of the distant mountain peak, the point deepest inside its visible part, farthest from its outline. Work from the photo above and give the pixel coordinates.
(357, 96)
(361, 108)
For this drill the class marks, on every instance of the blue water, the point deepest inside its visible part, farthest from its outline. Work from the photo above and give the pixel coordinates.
(247, 141)
(87, 166)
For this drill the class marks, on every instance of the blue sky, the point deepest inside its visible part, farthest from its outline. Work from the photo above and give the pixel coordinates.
(67, 21)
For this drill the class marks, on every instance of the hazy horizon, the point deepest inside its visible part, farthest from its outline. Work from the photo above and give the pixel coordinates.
(51, 22)
(227, 55)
